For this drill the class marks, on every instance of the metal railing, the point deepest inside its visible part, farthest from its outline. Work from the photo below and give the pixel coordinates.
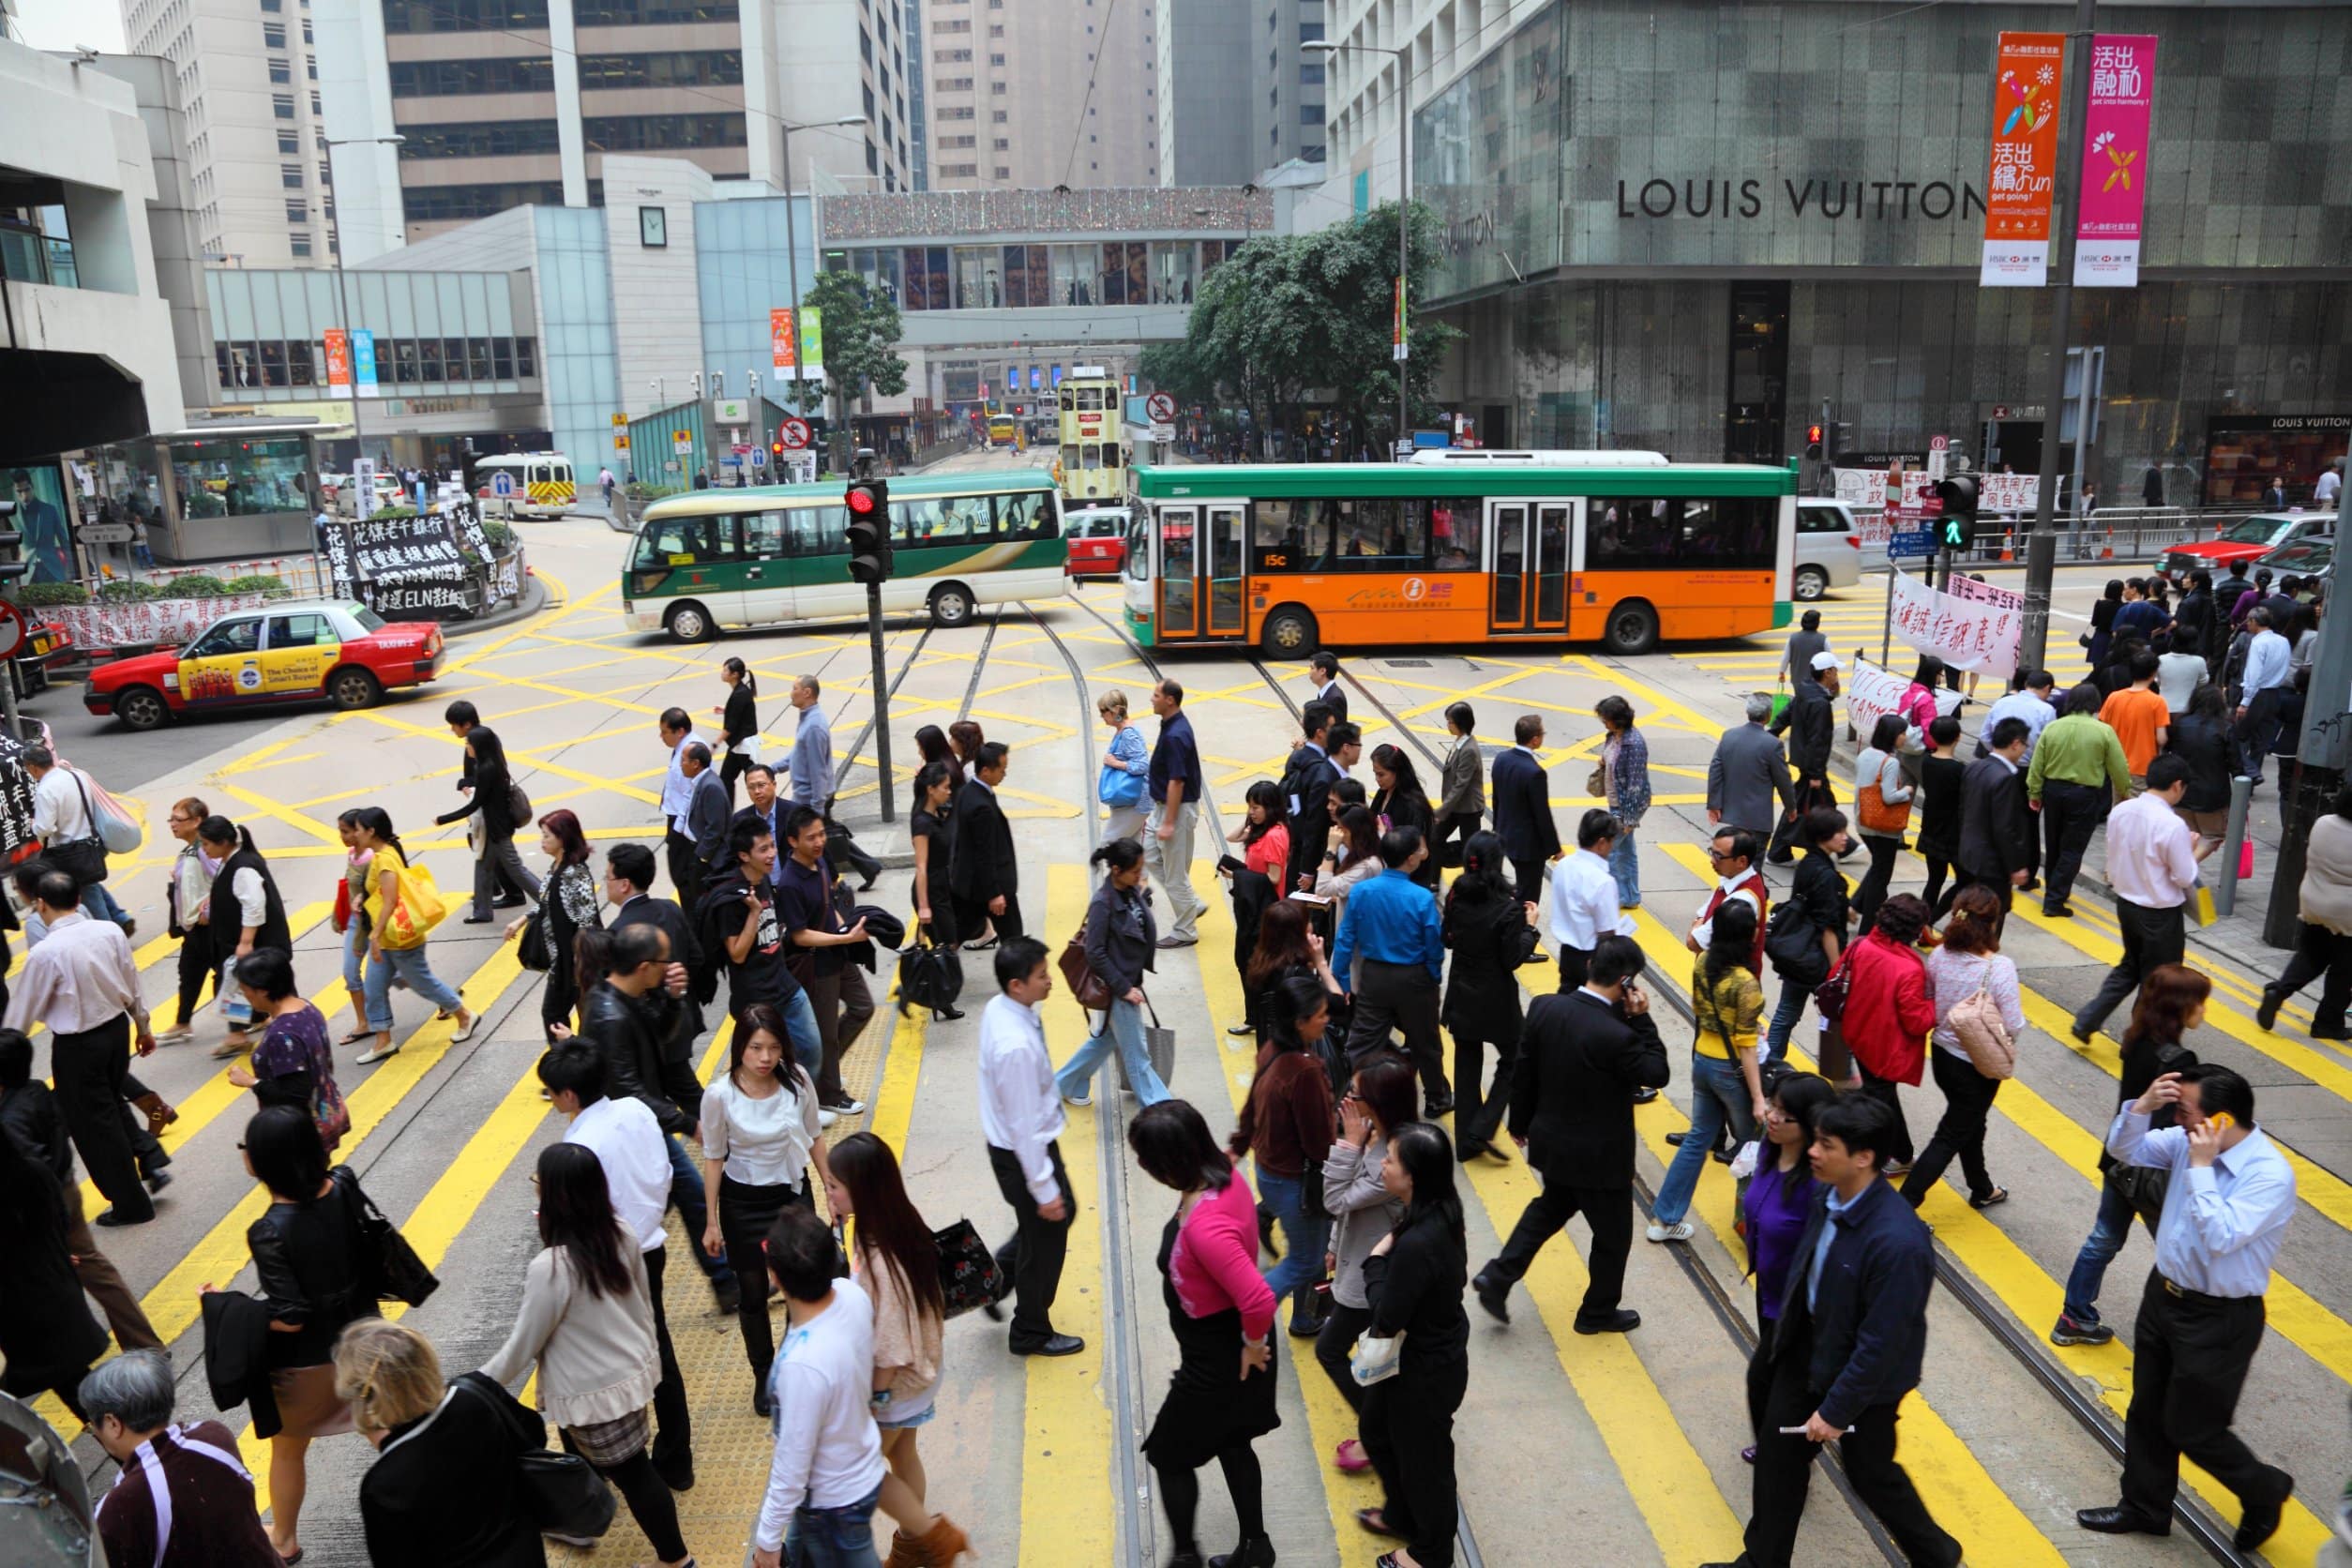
(2110, 533)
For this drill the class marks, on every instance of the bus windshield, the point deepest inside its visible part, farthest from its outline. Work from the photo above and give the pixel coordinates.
(685, 541)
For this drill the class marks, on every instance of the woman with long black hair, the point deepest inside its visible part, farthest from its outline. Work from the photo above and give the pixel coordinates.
(1399, 801)
(1381, 1099)
(587, 1324)
(931, 829)
(1284, 1123)
(1354, 858)
(494, 800)
(932, 745)
(1882, 806)
(1264, 837)
(1491, 933)
(1287, 947)
(1414, 1278)
(1222, 1397)
(738, 723)
(243, 912)
(569, 903)
(895, 1260)
(386, 962)
(760, 1133)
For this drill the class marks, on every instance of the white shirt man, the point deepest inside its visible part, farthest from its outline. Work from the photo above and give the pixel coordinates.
(2269, 663)
(1021, 1116)
(629, 1142)
(2324, 494)
(1581, 908)
(2151, 865)
(828, 1451)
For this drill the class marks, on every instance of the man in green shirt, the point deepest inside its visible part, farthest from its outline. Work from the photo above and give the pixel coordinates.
(2077, 762)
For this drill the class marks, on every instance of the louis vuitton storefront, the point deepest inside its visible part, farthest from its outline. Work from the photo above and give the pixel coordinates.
(1692, 227)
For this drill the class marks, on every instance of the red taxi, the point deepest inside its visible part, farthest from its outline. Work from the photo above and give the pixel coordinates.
(1098, 541)
(298, 651)
(2244, 540)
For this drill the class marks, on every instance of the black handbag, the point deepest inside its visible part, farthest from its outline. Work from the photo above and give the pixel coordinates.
(2143, 1186)
(389, 1268)
(967, 1273)
(929, 976)
(83, 859)
(1793, 943)
(533, 950)
(561, 1493)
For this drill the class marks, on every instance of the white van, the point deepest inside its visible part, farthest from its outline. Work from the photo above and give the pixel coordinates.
(1829, 546)
(525, 485)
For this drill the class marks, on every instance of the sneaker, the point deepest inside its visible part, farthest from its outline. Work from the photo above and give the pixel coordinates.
(1681, 1231)
(178, 1034)
(2072, 1332)
(847, 1104)
(825, 1117)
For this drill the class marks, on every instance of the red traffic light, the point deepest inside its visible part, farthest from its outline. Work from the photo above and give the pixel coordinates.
(861, 500)
(1813, 435)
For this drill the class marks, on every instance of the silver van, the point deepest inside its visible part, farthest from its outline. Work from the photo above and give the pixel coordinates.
(1829, 546)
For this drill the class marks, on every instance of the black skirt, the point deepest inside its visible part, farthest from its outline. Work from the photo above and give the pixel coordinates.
(1209, 1407)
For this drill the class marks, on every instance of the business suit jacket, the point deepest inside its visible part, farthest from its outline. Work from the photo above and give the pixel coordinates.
(1995, 828)
(708, 818)
(1869, 1319)
(1336, 696)
(1523, 808)
(1748, 779)
(983, 867)
(1310, 824)
(1462, 781)
(1572, 1096)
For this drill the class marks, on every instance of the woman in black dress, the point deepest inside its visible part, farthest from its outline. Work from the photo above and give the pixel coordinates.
(1222, 1397)
(932, 827)
(1415, 1279)
(738, 723)
(1491, 933)
(1940, 777)
(1401, 802)
(569, 903)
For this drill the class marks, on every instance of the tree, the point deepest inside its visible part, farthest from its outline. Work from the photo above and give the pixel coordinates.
(861, 330)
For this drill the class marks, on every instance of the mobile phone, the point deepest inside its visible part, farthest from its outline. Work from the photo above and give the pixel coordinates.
(2222, 1121)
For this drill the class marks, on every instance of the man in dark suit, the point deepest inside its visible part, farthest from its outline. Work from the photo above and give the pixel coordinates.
(708, 808)
(1582, 1057)
(1323, 671)
(1996, 827)
(1845, 1349)
(1307, 778)
(1810, 723)
(984, 879)
(1522, 794)
(629, 870)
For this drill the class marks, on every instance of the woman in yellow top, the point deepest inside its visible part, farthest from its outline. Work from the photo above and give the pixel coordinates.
(386, 964)
(1724, 1085)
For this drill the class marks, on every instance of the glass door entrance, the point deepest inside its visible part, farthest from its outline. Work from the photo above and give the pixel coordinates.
(1532, 541)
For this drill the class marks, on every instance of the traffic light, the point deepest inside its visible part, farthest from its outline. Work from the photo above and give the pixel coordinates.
(13, 567)
(868, 501)
(1813, 441)
(1957, 528)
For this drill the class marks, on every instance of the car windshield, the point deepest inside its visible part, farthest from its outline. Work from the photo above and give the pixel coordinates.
(2301, 555)
(2255, 531)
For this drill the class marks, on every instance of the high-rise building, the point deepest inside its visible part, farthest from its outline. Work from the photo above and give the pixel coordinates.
(502, 103)
(1041, 93)
(1204, 94)
(918, 114)
(1286, 107)
(247, 76)
(1442, 37)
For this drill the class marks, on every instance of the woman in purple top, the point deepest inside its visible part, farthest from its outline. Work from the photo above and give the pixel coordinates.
(292, 1063)
(1772, 1213)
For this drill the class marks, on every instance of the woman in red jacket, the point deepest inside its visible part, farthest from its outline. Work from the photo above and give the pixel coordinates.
(1889, 1012)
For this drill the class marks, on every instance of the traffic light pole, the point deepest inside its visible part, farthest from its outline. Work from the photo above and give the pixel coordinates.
(2042, 544)
(882, 704)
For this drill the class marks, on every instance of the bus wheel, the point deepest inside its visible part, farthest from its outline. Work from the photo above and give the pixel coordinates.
(354, 688)
(1632, 630)
(951, 605)
(1289, 632)
(141, 708)
(689, 622)
(1812, 583)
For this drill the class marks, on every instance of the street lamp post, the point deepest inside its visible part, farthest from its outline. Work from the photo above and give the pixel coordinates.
(792, 247)
(1404, 207)
(342, 300)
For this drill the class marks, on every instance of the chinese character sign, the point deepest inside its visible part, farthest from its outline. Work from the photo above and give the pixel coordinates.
(2115, 160)
(1870, 694)
(362, 359)
(2023, 173)
(1964, 634)
(812, 343)
(338, 359)
(782, 345)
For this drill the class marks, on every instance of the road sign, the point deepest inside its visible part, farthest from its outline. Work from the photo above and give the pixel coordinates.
(103, 533)
(1940, 443)
(1917, 544)
(11, 630)
(793, 435)
(1161, 407)
(1404, 450)
(1163, 433)
(619, 420)
(619, 441)
(502, 484)
(681, 442)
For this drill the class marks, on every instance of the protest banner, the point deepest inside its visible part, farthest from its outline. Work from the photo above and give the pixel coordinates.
(1870, 694)
(1964, 634)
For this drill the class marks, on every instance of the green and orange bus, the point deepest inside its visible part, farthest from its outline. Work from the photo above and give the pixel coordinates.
(1622, 550)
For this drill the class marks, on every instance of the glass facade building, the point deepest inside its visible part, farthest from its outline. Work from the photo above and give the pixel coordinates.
(1695, 227)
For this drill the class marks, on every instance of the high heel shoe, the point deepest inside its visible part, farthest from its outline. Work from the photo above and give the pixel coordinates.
(946, 1015)
(1256, 1551)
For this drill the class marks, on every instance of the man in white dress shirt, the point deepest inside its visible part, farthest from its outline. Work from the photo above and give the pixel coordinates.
(627, 1140)
(1581, 906)
(825, 1478)
(2225, 1210)
(2152, 868)
(1021, 1116)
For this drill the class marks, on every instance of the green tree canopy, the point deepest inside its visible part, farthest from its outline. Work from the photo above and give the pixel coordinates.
(861, 336)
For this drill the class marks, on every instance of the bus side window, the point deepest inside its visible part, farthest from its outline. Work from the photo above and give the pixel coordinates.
(763, 535)
(1455, 525)
(934, 522)
(899, 523)
(814, 531)
(1027, 516)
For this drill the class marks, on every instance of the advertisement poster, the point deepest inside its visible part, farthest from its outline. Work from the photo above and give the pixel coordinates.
(1966, 634)
(2024, 172)
(338, 359)
(2115, 160)
(363, 360)
(781, 344)
(812, 343)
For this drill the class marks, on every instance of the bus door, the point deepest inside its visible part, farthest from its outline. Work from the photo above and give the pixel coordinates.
(1223, 567)
(1530, 565)
(1176, 568)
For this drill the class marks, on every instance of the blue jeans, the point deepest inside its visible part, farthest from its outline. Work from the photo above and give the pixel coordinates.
(800, 1023)
(1303, 1238)
(1122, 1031)
(685, 1191)
(406, 963)
(1719, 1093)
(98, 904)
(2108, 1233)
(1626, 865)
(832, 1537)
(1793, 997)
(355, 961)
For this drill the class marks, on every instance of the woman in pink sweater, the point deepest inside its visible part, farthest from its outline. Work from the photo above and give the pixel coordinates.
(1222, 1397)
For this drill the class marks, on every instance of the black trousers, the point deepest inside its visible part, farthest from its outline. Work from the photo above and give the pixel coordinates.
(2150, 937)
(1406, 1425)
(1784, 1466)
(90, 1067)
(1935, 894)
(1967, 1106)
(730, 769)
(2070, 815)
(2189, 1355)
(673, 1427)
(745, 1213)
(2002, 887)
(1453, 831)
(196, 969)
(2261, 729)
(1478, 1115)
(1807, 797)
(685, 872)
(1342, 1326)
(1033, 1258)
(2320, 951)
(1874, 881)
(1575, 966)
(1609, 1210)
(1898, 1149)
(843, 853)
(1403, 998)
(973, 916)
(1526, 876)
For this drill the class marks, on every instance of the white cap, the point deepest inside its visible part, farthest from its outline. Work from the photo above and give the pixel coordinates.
(1826, 661)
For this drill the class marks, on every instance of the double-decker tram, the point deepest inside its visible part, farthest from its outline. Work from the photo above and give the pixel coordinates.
(1092, 461)
(1619, 550)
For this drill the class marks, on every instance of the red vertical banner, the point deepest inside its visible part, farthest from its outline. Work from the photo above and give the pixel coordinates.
(2026, 71)
(782, 342)
(1397, 336)
(2116, 122)
(338, 359)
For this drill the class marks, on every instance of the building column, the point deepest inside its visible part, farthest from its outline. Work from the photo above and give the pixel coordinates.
(571, 142)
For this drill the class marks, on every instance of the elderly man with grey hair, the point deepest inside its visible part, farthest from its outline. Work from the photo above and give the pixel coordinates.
(183, 1499)
(1747, 771)
(811, 781)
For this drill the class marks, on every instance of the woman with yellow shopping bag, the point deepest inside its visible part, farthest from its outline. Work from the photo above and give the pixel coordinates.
(403, 907)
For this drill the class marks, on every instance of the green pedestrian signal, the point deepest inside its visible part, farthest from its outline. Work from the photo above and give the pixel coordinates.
(1958, 533)
(1957, 528)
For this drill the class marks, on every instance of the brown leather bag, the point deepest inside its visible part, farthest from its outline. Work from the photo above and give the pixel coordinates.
(1088, 988)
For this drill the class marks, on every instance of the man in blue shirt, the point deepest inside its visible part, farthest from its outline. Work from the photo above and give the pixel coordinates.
(1392, 927)
(1173, 787)
(809, 776)
(1845, 1349)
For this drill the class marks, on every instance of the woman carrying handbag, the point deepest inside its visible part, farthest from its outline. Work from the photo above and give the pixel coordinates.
(1965, 974)
(569, 903)
(931, 829)
(1121, 939)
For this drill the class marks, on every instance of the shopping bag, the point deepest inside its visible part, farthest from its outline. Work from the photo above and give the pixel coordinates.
(1374, 1360)
(119, 821)
(417, 911)
(967, 1273)
(1160, 1046)
(2245, 859)
(235, 1011)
